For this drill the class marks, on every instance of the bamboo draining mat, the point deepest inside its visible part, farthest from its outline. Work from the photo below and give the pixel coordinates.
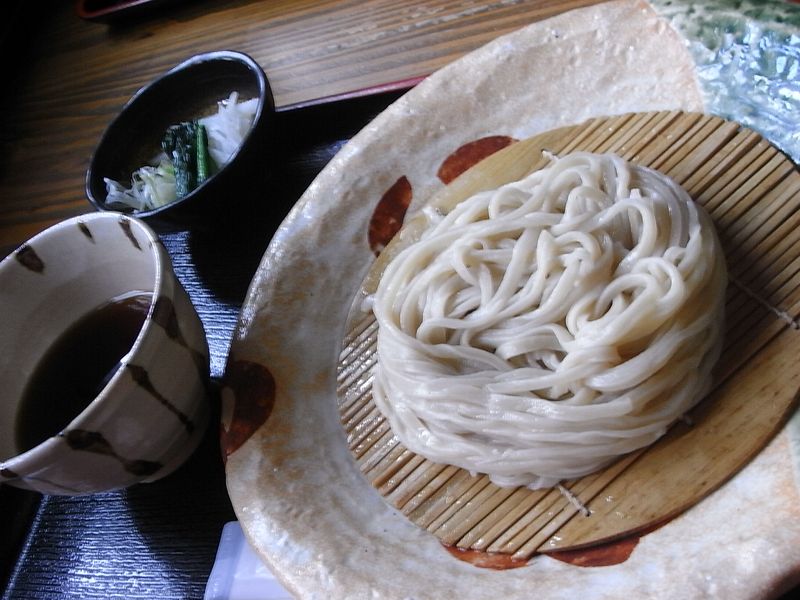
(74, 76)
(752, 192)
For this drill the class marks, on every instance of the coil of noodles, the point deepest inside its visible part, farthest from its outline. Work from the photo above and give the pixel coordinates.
(539, 331)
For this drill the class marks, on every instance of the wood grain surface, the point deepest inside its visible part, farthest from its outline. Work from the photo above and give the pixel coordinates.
(66, 78)
(752, 193)
(159, 540)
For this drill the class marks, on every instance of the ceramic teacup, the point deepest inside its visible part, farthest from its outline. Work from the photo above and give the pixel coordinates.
(145, 414)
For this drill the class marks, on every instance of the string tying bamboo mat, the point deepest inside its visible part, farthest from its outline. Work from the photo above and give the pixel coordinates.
(752, 192)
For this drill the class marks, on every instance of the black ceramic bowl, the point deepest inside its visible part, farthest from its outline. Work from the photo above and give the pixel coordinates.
(188, 91)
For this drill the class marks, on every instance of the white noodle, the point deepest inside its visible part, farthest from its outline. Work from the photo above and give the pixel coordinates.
(538, 331)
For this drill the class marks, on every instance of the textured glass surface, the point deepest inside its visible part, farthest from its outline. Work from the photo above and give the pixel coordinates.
(748, 61)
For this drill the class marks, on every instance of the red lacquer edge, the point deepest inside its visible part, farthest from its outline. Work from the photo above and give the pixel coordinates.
(392, 86)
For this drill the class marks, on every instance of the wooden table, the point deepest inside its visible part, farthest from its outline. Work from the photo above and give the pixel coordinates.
(70, 77)
(66, 79)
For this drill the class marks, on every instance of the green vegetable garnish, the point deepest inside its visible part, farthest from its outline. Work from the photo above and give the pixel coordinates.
(203, 159)
(192, 152)
(179, 143)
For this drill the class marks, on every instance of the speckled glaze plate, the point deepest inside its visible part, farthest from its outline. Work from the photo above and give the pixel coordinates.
(300, 497)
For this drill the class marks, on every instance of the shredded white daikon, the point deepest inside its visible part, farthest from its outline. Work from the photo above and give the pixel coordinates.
(228, 127)
(153, 185)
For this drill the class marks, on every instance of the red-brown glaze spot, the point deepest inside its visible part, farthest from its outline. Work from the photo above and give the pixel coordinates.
(389, 213)
(471, 154)
(253, 388)
(486, 560)
(604, 555)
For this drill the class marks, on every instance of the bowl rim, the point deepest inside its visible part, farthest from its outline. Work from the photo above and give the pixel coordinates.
(265, 105)
(53, 235)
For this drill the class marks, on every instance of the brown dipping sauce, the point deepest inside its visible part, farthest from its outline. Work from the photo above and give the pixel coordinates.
(77, 366)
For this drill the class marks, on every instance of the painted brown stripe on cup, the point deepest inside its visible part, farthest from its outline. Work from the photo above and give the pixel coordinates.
(165, 315)
(27, 257)
(126, 228)
(140, 376)
(94, 441)
(84, 229)
(8, 473)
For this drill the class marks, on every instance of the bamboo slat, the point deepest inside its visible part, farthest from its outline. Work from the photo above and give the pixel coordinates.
(752, 192)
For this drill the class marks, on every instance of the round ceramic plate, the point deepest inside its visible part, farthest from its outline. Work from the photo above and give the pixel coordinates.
(299, 495)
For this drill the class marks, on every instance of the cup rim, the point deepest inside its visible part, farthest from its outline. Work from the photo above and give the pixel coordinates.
(42, 449)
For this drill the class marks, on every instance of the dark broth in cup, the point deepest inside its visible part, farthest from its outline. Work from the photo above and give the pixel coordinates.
(77, 366)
